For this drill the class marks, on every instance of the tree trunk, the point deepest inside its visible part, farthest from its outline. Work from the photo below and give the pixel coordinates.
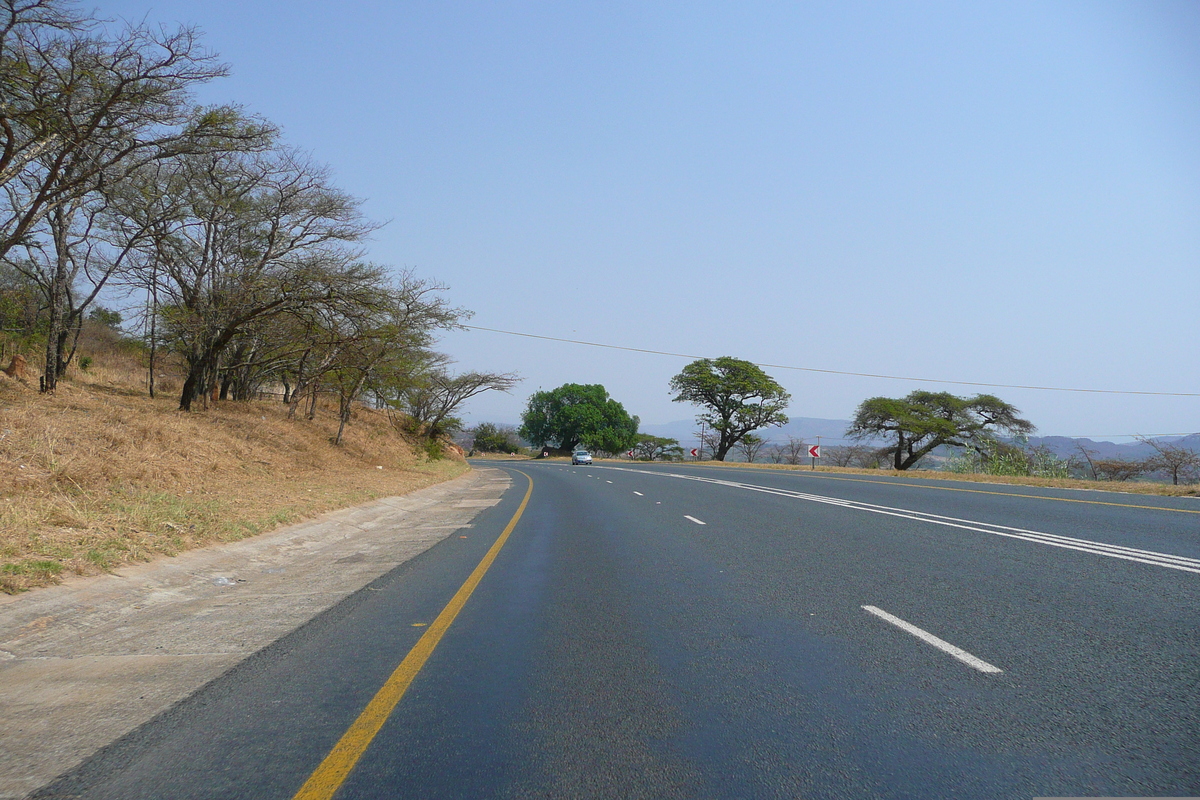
(200, 370)
(76, 329)
(346, 405)
(312, 403)
(191, 390)
(153, 325)
(57, 294)
(343, 415)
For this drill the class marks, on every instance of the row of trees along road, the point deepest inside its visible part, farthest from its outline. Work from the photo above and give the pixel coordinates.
(249, 258)
(739, 396)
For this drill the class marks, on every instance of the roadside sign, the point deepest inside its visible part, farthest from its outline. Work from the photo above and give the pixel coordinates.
(630, 454)
(695, 453)
(814, 451)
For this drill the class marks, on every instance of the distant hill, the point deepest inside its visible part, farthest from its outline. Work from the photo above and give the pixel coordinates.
(833, 432)
(1063, 447)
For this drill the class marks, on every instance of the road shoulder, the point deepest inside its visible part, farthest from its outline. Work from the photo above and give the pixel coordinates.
(83, 664)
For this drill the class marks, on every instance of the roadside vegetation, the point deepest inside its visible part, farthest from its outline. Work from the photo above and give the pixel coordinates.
(924, 434)
(195, 343)
(492, 439)
(99, 474)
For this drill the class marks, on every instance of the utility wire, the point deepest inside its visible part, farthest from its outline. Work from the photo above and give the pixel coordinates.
(836, 371)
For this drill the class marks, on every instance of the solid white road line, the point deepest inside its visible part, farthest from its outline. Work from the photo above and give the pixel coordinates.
(1182, 563)
(693, 519)
(940, 644)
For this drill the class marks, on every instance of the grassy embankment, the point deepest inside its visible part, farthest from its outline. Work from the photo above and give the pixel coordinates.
(100, 475)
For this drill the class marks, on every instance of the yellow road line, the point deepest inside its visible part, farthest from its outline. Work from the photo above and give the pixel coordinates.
(985, 491)
(333, 771)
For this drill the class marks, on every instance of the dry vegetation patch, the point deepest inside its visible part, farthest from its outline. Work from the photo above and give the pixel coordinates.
(99, 474)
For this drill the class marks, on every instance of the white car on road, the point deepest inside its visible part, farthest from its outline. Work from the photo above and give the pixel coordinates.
(581, 457)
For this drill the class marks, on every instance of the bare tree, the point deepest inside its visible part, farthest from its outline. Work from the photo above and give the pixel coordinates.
(794, 450)
(843, 455)
(85, 107)
(255, 236)
(750, 446)
(1088, 459)
(388, 355)
(71, 255)
(1120, 469)
(84, 110)
(22, 23)
(709, 440)
(1178, 462)
(432, 400)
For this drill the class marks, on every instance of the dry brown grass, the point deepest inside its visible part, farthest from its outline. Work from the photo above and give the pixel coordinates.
(99, 474)
(1162, 489)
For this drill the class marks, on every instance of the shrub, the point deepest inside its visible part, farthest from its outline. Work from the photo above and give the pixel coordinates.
(1017, 459)
(491, 438)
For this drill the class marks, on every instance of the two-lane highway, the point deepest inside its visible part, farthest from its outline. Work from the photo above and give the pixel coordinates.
(682, 631)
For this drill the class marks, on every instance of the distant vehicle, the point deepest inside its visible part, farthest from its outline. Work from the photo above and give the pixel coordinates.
(581, 457)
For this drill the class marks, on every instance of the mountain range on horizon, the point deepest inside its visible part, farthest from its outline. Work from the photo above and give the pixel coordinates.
(833, 432)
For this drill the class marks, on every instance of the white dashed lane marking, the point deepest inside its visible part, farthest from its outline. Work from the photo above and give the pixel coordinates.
(693, 519)
(940, 644)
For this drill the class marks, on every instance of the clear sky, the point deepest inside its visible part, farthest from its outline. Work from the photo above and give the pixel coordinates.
(1003, 192)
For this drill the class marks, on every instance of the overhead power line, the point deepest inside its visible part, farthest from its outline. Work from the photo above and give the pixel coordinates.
(837, 371)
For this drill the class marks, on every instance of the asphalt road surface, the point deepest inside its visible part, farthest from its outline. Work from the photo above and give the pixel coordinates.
(700, 632)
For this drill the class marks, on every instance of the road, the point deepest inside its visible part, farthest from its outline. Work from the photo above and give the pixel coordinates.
(701, 632)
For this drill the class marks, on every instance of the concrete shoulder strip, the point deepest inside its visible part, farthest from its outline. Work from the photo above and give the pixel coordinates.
(66, 651)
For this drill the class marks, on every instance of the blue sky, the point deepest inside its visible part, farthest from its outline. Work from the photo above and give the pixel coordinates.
(996, 192)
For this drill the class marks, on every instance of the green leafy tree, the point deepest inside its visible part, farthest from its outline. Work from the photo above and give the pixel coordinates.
(491, 438)
(739, 396)
(657, 448)
(105, 316)
(574, 415)
(922, 421)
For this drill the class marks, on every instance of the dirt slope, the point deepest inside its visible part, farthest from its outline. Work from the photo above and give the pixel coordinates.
(99, 474)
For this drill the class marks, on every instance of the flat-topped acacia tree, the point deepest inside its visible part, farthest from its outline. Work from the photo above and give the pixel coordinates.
(739, 396)
(922, 421)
